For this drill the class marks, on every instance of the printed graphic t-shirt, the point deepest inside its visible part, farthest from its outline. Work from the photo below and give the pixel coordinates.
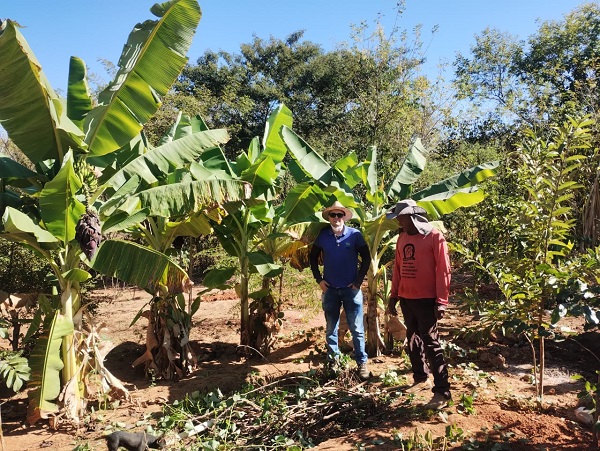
(421, 267)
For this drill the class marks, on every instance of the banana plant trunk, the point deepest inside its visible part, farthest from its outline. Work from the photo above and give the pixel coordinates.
(172, 357)
(264, 318)
(70, 302)
(374, 344)
(244, 261)
(245, 308)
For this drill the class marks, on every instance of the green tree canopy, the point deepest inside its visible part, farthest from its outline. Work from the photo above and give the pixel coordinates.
(362, 93)
(240, 90)
(552, 73)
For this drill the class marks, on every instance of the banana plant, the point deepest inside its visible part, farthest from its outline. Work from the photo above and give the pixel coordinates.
(346, 174)
(156, 204)
(260, 230)
(67, 141)
(237, 233)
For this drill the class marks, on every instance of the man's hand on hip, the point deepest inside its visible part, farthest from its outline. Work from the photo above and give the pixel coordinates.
(324, 285)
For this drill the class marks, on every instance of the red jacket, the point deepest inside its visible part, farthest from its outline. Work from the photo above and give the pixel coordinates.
(421, 267)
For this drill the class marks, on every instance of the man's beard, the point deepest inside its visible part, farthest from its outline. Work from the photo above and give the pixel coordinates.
(337, 229)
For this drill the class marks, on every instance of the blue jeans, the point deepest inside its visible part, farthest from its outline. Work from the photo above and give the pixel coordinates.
(352, 301)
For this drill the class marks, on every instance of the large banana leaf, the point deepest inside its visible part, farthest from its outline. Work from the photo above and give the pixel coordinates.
(215, 160)
(198, 171)
(465, 179)
(229, 235)
(310, 161)
(15, 174)
(375, 194)
(440, 204)
(160, 161)
(343, 194)
(301, 203)
(296, 171)
(260, 213)
(263, 264)
(123, 220)
(245, 159)
(353, 171)
(195, 226)
(112, 162)
(151, 61)
(59, 207)
(376, 228)
(273, 144)
(45, 362)
(79, 100)
(140, 266)
(9, 198)
(20, 228)
(119, 200)
(218, 278)
(283, 242)
(183, 126)
(178, 199)
(30, 111)
(261, 175)
(409, 172)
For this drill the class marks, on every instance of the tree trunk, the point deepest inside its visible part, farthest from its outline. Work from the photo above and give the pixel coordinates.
(245, 308)
(542, 369)
(591, 212)
(542, 354)
(596, 414)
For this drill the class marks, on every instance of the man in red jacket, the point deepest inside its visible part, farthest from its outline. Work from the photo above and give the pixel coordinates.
(421, 281)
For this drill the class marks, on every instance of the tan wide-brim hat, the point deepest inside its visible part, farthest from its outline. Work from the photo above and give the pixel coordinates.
(337, 206)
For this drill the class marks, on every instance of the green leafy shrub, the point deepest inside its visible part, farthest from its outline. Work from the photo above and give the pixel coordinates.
(533, 270)
(14, 369)
(21, 271)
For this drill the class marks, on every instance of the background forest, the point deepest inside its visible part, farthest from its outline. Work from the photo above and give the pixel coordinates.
(512, 136)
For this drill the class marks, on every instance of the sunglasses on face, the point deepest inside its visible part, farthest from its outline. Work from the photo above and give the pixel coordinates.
(337, 215)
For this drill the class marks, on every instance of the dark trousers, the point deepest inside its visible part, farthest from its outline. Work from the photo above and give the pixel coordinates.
(424, 348)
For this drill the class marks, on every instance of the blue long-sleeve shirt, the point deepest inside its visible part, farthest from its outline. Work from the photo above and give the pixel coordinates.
(340, 257)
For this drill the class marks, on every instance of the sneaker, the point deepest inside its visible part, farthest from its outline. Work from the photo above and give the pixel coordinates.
(438, 402)
(363, 372)
(419, 386)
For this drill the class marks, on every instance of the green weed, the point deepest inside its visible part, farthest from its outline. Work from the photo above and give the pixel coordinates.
(391, 378)
(420, 441)
(466, 403)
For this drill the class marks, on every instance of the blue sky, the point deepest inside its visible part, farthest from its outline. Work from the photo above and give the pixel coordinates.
(92, 29)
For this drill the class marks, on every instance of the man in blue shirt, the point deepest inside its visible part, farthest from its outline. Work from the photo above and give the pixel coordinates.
(342, 277)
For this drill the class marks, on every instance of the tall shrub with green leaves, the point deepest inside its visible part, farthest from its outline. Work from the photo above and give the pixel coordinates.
(537, 269)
